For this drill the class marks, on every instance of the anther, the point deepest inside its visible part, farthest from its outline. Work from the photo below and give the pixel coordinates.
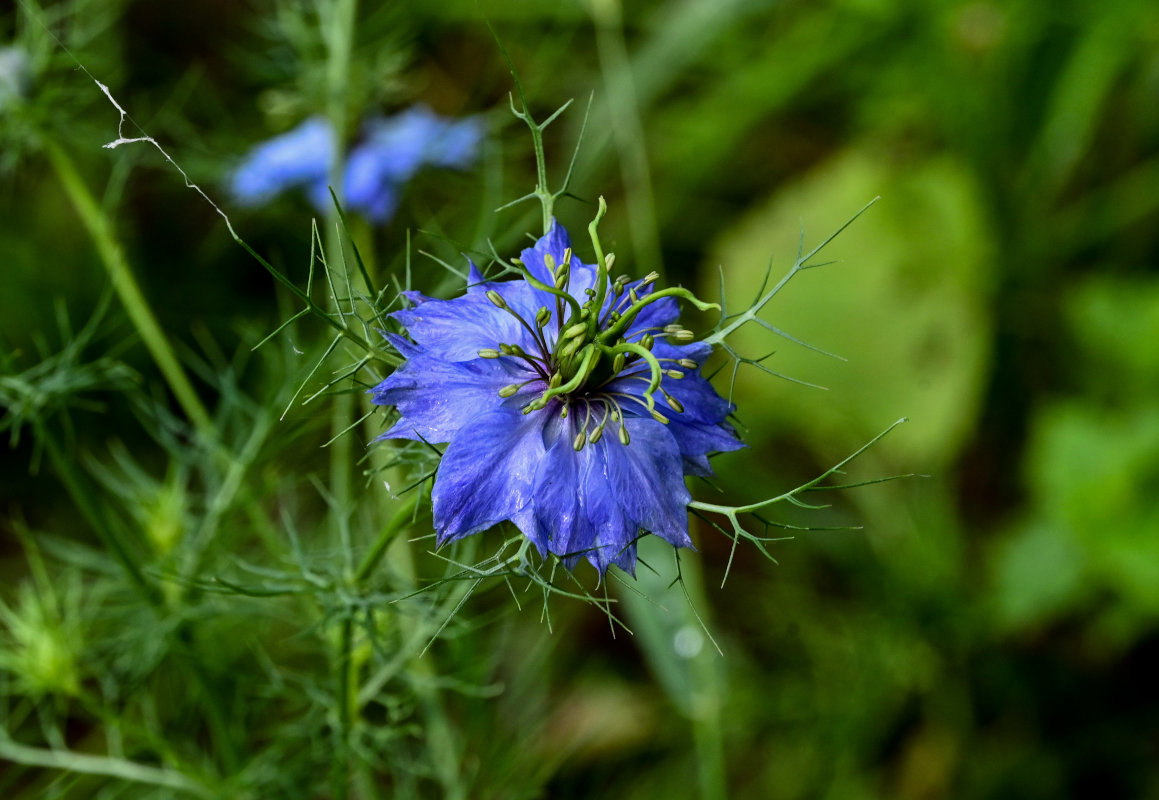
(580, 440)
(549, 262)
(509, 390)
(646, 341)
(673, 403)
(555, 380)
(625, 439)
(674, 374)
(496, 298)
(651, 277)
(487, 352)
(687, 363)
(684, 335)
(618, 364)
(574, 330)
(567, 257)
(656, 415)
(609, 259)
(542, 316)
(596, 435)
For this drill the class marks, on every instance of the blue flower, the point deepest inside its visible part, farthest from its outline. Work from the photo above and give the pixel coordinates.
(391, 151)
(15, 76)
(576, 426)
(298, 159)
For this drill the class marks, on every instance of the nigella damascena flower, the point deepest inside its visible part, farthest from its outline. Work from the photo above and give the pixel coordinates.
(297, 159)
(393, 150)
(390, 152)
(571, 405)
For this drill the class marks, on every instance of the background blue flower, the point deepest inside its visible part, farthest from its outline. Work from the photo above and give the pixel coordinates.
(298, 159)
(585, 473)
(390, 152)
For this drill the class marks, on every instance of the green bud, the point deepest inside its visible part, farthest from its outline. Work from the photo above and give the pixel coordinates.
(496, 299)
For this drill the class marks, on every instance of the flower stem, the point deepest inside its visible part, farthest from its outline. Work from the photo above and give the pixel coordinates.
(338, 33)
(97, 224)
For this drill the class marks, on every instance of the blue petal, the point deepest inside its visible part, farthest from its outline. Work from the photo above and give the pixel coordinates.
(647, 479)
(456, 330)
(702, 427)
(487, 475)
(555, 243)
(436, 398)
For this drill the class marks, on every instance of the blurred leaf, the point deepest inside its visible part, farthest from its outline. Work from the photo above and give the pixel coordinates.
(905, 306)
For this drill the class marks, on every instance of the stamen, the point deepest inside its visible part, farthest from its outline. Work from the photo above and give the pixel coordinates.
(496, 299)
(674, 374)
(487, 352)
(574, 330)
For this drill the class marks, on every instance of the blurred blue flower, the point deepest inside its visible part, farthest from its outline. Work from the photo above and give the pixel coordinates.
(390, 152)
(298, 159)
(15, 75)
(393, 150)
(547, 410)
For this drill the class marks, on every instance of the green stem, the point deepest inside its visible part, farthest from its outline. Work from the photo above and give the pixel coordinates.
(113, 258)
(440, 735)
(400, 520)
(338, 32)
(627, 130)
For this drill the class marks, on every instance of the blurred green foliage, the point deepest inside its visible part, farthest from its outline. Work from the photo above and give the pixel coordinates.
(991, 630)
